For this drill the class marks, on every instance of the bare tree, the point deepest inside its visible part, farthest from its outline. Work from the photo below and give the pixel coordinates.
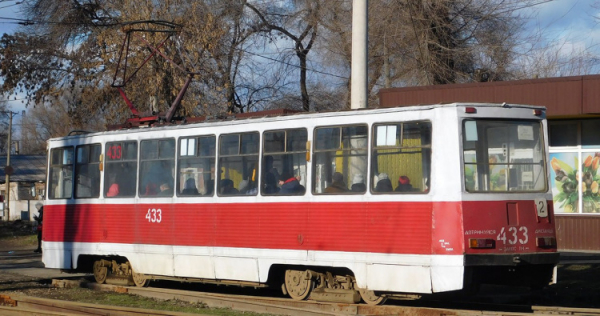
(298, 24)
(44, 121)
(428, 42)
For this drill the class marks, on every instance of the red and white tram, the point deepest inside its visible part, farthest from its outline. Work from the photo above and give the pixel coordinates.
(369, 203)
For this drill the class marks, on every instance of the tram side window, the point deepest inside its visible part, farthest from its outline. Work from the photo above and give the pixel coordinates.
(61, 173)
(196, 166)
(157, 163)
(401, 160)
(284, 162)
(120, 169)
(238, 162)
(87, 171)
(340, 160)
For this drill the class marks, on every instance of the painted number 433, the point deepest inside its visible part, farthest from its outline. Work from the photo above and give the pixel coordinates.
(512, 235)
(154, 215)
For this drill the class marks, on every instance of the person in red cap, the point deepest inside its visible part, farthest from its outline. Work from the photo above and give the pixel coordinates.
(404, 184)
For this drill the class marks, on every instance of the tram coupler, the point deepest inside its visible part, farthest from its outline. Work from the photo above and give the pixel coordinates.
(335, 295)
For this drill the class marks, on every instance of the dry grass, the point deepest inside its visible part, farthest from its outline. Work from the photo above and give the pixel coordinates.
(17, 235)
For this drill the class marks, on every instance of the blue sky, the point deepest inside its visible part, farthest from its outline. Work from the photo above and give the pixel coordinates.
(571, 24)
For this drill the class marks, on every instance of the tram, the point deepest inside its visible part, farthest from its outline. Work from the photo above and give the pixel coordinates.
(362, 204)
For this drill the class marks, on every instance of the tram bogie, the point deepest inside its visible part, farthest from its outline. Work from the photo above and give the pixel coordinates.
(354, 205)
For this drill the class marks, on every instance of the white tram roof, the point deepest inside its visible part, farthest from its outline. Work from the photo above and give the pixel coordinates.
(295, 116)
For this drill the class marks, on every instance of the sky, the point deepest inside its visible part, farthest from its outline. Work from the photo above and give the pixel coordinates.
(574, 24)
(571, 24)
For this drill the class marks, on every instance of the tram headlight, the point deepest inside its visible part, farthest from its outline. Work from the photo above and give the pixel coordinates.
(482, 243)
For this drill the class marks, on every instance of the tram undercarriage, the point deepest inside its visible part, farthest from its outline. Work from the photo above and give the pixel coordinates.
(299, 283)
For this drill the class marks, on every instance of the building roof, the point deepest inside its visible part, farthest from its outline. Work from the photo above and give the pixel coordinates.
(27, 168)
(577, 96)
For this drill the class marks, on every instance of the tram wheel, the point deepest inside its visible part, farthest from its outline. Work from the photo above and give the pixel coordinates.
(298, 284)
(371, 298)
(139, 279)
(100, 272)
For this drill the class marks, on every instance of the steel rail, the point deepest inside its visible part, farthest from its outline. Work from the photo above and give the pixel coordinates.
(285, 306)
(26, 305)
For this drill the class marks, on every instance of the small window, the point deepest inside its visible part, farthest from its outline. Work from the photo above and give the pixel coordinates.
(120, 169)
(87, 171)
(589, 132)
(563, 133)
(61, 173)
(157, 163)
(340, 160)
(401, 160)
(284, 162)
(196, 166)
(238, 162)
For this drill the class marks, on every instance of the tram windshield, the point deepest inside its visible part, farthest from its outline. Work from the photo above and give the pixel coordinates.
(503, 156)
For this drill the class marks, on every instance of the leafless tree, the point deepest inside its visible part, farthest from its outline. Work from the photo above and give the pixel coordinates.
(299, 24)
(428, 42)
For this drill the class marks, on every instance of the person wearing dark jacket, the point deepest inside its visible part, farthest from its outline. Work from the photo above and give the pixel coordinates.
(290, 185)
(39, 218)
(404, 184)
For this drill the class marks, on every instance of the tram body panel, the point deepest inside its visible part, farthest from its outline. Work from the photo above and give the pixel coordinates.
(514, 224)
(369, 237)
(415, 243)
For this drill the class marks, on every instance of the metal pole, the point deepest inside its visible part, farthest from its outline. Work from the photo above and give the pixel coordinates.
(7, 171)
(358, 86)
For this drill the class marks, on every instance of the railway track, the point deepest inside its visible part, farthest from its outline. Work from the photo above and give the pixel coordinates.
(18, 305)
(278, 306)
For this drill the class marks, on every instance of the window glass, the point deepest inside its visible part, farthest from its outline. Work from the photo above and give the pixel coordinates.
(61, 173)
(563, 133)
(157, 161)
(120, 169)
(401, 161)
(87, 171)
(589, 133)
(340, 160)
(284, 162)
(196, 166)
(505, 156)
(238, 163)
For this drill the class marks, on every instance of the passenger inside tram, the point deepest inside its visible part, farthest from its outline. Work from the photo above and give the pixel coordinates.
(113, 189)
(227, 188)
(358, 183)
(404, 184)
(290, 185)
(189, 188)
(384, 184)
(337, 184)
(165, 190)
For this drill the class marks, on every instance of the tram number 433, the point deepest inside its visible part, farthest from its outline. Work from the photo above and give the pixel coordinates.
(512, 235)
(154, 215)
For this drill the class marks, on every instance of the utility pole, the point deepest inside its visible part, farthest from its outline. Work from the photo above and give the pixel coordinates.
(8, 170)
(359, 76)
